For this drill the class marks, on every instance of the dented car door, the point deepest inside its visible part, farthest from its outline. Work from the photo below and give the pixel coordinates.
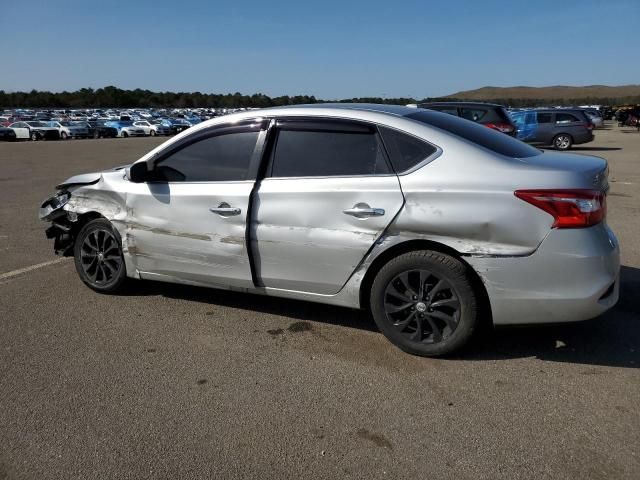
(188, 222)
(327, 195)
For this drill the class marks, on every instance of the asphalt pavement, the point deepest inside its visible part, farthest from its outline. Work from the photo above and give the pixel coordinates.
(172, 382)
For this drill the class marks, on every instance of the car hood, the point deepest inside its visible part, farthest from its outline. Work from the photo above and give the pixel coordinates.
(87, 178)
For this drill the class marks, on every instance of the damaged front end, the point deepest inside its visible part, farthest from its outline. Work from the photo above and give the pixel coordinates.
(62, 228)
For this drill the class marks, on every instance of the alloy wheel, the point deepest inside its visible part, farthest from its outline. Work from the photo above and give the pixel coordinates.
(421, 306)
(100, 256)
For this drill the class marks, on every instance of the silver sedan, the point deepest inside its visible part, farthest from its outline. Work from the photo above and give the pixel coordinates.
(431, 222)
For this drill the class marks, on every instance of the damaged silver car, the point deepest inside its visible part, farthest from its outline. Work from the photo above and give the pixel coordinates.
(429, 221)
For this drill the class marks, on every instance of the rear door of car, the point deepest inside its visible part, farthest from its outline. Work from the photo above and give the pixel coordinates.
(189, 220)
(546, 127)
(327, 195)
(572, 123)
(22, 130)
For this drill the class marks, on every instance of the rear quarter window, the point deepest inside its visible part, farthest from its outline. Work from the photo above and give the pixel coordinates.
(483, 136)
(405, 151)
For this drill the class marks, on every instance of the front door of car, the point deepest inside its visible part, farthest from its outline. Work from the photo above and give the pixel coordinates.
(327, 195)
(189, 220)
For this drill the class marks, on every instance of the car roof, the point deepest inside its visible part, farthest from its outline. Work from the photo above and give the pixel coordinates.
(400, 110)
(473, 104)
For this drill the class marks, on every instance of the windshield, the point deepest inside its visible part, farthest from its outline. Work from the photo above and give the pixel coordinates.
(486, 137)
(67, 124)
(36, 124)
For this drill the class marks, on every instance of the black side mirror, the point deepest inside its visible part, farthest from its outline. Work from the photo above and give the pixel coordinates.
(138, 173)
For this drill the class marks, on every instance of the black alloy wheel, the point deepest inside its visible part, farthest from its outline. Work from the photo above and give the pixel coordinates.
(424, 303)
(98, 256)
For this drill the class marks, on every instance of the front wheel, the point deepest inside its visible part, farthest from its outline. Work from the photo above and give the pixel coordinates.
(63, 135)
(424, 303)
(98, 257)
(152, 133)
(34, 136)
(562, 142)
(125, 134)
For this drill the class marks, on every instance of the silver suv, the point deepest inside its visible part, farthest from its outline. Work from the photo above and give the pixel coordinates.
(429, 221)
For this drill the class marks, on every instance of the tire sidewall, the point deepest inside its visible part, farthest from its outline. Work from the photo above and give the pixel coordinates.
(118, 280)
(443, 266)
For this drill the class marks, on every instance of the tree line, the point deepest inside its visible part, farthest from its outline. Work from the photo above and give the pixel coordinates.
(116, 97)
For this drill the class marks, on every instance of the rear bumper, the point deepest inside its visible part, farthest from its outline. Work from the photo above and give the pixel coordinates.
(573, 276)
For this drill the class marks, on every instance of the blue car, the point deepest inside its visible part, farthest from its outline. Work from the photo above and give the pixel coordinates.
(126, 128)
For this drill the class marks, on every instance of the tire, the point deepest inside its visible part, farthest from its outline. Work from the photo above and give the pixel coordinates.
(96, 134)
(34, 137)
(98, 257)
(63, 135)
(125, 134)
(152, 133)
(562, 141)
(436, 319)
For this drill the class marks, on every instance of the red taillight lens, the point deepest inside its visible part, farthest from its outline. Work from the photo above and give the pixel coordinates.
(569, 208)
(503, 127)
(589, 126)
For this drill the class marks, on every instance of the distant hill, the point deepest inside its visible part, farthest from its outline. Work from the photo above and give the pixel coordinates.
(554, 94)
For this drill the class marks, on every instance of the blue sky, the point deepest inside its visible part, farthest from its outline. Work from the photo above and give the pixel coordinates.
(331, 49)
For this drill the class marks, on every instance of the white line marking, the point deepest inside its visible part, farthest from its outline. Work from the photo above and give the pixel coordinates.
(20, 271)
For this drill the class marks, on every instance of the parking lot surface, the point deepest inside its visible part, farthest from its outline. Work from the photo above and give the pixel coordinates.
(169, 381)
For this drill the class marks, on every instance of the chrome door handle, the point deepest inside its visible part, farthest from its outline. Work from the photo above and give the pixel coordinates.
(226, 210)
(362, 210)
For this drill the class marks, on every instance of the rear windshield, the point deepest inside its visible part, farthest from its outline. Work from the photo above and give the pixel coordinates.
(485, 137)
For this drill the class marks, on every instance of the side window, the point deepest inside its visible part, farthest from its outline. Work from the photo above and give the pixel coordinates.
(544, 117)
(475, 114)
(405, 151)
(224, 157)
(565, 118)
(318, 153)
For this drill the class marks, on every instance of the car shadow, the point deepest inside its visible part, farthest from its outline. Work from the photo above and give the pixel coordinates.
(595, 149)
(613, 339)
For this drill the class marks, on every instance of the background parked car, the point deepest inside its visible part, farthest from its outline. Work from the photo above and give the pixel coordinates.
(488, 114)
(126, 128)
(35, 131)
(7, 134)
(97, 129)
(151, 128)
(558, 127)
(69, 129)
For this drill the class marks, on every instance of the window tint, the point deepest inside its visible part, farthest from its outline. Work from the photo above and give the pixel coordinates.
(485, 137)
(405, 151)
(302, 153)
(215, 159)
(544, 117)
(566, 118)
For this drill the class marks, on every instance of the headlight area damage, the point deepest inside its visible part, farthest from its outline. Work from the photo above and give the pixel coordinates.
(62, 222)
(82, 196)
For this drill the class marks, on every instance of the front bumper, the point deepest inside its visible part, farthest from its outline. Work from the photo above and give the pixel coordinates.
(573, 276)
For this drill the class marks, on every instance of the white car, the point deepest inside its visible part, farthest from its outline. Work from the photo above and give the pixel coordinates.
(34, 130)
(68, 129)
(151, 128)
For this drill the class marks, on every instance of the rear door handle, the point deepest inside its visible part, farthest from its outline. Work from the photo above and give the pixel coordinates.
(226, 210)
(362, 210)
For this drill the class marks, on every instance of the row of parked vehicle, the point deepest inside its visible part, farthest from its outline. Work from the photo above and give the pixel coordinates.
(560, 127)
(97, 123)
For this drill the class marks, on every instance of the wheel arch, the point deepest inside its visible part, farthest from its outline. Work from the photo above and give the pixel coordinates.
(396, 250)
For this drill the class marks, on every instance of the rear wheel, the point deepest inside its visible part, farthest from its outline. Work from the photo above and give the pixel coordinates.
(98, 257)
(96, 134)
(562, 141)
(152, 133)
(423, 302)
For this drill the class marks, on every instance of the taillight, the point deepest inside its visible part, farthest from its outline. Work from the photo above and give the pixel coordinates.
(569, 208)
(589, 126)
(503, 127)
